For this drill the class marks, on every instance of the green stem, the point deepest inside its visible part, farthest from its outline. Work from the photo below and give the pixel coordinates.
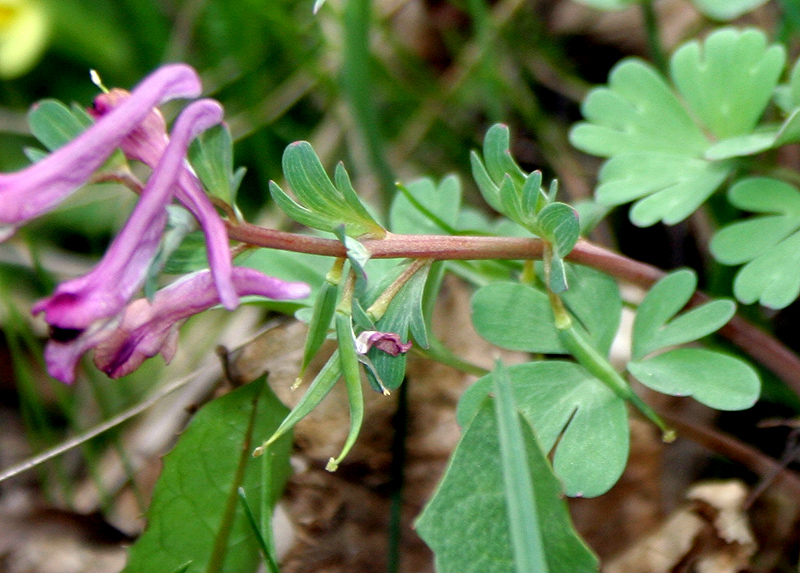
(357, 84)
(653, 41)
(588, 357)
(378, 308)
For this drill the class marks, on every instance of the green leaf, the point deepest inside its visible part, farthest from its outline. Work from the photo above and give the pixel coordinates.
(660, 155)
(466, 523)
(673, 186)
(768, 243)
(717, 380)
(558, 224)
(348, 361)
(637, 112)
(728, 81)
(519, 317)
(298, 213)
(497, 155)
(404, 314)
(423, 208)
(571, 411)
(727, 9)
(787, 96)
(608, 4)
(319, 201)
(54, 124)
(211, 156)
(196, 516)
(772, 279)
(653, 329)
(523, 522)
(320, 323)
(357, 254)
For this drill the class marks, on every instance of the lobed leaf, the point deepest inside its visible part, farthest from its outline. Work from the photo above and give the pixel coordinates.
(637, 112)
(717, 380)
(404, 315)
(470, 505)
(658, 150)
(211, 156)
(321, 204)
(768, 243)
(572, 412)
(519, 317)
(728, 81)
(54, 124)
(655, 328)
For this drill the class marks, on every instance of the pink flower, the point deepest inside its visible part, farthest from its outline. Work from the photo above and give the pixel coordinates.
(38, 188)
(388, 342)
(103, 292)
(147, 144)
(148, 328)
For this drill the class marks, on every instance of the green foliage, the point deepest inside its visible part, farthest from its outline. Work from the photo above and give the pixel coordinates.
(658, 150)
(426, 208)
(323, 205)
(196, 519)
(520, 197)
(716, 379)
(716, 9)
(523, 521)
(572, 407)
(211, 155)
(403, 316)
(54, 124)
(652, 331)
(518, 317)
(467, 522)
(571, 411)
(769, 243)
(348, 362)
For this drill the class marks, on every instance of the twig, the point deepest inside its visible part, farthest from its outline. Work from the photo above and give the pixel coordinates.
(764, 466)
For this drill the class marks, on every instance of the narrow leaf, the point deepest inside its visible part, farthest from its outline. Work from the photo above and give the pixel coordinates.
(524, 526)
(351, 372)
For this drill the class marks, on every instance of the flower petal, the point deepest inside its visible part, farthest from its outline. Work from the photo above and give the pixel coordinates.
(146, 144)
(146, 329)
(105, 290)
(40, 187)
(388, 342)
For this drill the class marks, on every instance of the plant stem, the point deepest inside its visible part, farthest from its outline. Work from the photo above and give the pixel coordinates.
(653, 42)
(758, 344)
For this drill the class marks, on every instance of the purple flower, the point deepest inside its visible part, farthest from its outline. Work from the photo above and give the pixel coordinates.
(103, 292)
(146, 329)
(40, 187)
(147, 144)
(389, 342)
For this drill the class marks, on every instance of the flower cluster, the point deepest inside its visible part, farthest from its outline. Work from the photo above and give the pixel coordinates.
(97, 311)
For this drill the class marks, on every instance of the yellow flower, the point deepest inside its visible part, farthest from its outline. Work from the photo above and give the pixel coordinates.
(24, 30)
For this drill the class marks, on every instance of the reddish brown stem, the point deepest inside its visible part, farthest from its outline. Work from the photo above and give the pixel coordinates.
(758, 344)
(765, 466)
